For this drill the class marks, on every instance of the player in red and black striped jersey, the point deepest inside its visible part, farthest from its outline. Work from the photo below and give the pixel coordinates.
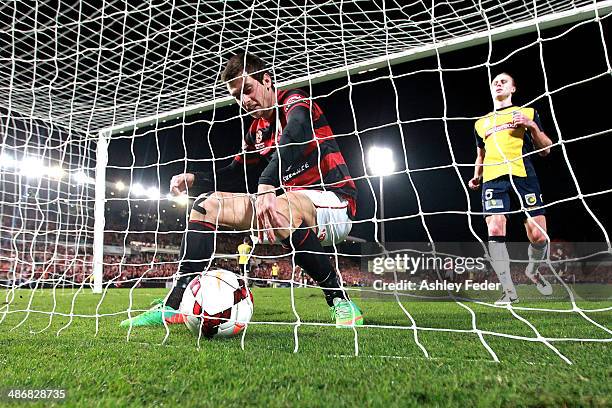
(308, 151)
(305, 196)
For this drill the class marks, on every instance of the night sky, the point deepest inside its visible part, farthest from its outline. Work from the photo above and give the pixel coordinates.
(579, 110)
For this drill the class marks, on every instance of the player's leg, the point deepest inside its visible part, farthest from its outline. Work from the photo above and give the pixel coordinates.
(317, 226)
(246, 274)
(298, 213)
(208, 211)
(500, 259)
(535, 226)
(496, 201)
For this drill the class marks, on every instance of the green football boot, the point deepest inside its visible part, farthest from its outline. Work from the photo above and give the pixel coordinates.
(346, 313)
(155, 316)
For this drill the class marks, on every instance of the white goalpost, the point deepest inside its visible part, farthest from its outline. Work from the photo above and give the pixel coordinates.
(78, 78)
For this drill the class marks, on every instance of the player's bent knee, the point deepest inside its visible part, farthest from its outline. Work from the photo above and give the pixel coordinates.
(201, 206)
(497, 225)
(537, 236)
(496, 231)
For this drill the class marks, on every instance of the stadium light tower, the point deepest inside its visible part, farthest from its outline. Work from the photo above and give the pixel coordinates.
(32, 167)
(381, 164)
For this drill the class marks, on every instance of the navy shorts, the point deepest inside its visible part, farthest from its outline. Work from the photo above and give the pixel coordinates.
(496, 195)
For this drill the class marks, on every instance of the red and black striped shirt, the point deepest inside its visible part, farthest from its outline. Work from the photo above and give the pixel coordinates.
(308, 155)
(303, 147)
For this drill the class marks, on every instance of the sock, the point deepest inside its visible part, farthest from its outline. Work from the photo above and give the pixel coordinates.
(317, 266)
(536, 253)
(196, 250)
(500, 260)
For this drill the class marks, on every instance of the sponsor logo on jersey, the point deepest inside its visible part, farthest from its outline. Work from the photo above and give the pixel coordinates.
(499, 128)
(493, 204)
(294, 173)
(258, 136)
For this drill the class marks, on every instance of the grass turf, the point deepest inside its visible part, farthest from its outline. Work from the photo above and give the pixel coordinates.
(390, 370)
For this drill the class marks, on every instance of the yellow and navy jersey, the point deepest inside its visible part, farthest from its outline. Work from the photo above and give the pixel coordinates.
(502, 140)
(244, 250)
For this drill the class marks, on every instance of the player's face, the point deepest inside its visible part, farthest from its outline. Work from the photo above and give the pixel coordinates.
(502, 86)
(254, 97)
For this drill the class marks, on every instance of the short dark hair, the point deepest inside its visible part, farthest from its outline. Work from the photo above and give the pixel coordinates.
(244, 62)
(506, 73)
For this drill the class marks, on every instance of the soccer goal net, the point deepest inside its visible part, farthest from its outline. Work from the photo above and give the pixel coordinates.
(103, 103)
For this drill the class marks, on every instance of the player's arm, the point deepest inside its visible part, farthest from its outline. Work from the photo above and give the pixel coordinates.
(291, 145)
(540, 139)
(203, 181)
(298, 129)
(228, 178)
(475, 181)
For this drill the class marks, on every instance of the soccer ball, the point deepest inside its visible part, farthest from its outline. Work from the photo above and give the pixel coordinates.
(217, 303)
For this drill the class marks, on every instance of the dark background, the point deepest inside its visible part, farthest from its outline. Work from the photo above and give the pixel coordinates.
(569, 110)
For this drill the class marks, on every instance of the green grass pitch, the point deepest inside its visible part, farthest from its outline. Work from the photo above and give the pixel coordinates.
(391, 370)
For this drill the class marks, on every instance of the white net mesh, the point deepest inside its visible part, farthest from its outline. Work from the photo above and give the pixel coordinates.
(46, 204)
(73, 70)
(91, 67)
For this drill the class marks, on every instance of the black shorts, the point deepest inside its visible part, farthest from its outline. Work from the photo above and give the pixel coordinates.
(496, 195)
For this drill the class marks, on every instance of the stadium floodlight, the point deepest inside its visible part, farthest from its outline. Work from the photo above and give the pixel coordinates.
(32, 167)
(6, 161)
(56, 172)
(82, 178)
(138, 189)
(119, 186)
(182, 199)
(381, 163)
(153, 193)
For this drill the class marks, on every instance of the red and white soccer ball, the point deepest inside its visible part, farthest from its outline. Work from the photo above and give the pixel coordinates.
(218, 304)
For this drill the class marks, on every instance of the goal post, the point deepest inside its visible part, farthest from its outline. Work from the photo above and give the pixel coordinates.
(99, 206)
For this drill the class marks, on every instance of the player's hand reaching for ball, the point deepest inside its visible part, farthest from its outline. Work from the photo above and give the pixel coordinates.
(181, 182)
(474, 183)
(265, 207)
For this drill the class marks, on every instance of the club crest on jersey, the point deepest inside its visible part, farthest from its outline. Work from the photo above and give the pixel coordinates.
(258, 136)
(322, 234)
(530, 199)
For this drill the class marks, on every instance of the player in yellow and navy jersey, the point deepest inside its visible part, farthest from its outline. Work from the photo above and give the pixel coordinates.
(244, 256)
(504, 139)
